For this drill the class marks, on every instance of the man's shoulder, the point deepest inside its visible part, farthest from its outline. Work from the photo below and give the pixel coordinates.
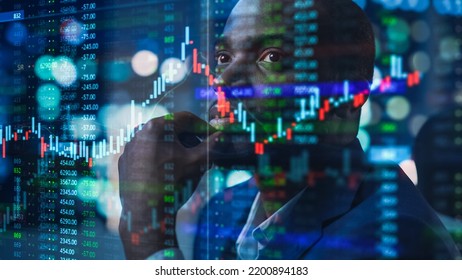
(392, 220)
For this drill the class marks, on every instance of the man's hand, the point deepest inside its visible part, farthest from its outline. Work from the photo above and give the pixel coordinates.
(156, 165)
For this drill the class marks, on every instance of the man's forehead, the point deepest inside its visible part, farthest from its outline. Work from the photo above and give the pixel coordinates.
(246, 8)
(243, 18)
(261, 5)
(252, 18)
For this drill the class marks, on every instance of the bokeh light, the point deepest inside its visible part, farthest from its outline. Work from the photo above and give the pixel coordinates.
(377, 113)
(64, 71)
(366, 114)
(361, 3)
(420, 61)
(89, 189)
(448, 7)
(114, 117)
(72, 32)
(390, 4)
(450, 48)
(415, 5)
(16, 34)
(458, 97)
(398, 34)
(48, 114)
(109, 206)
(48, 98)
(398, 47)
(216, 181)
(364, 139)
(93, 129)
(43, 67)
(406, 5)
(420, 31)
(145, 63)
(398, 108)
(48, 95)
(174, 70)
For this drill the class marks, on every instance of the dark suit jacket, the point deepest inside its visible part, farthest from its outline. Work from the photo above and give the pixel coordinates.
(366, 212)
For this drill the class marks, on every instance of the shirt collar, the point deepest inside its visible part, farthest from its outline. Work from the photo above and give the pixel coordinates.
(259, 230)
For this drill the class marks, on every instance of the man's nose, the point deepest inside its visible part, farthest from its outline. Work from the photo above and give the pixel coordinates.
(238, 73)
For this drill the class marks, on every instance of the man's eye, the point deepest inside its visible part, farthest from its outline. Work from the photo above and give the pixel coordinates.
(271, 57)
(223, 58)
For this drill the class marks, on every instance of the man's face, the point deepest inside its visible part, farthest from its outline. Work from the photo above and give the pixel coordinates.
(255, 50)
(259, 71)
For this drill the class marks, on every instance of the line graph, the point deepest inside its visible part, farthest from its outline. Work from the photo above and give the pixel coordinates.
(311, 107)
